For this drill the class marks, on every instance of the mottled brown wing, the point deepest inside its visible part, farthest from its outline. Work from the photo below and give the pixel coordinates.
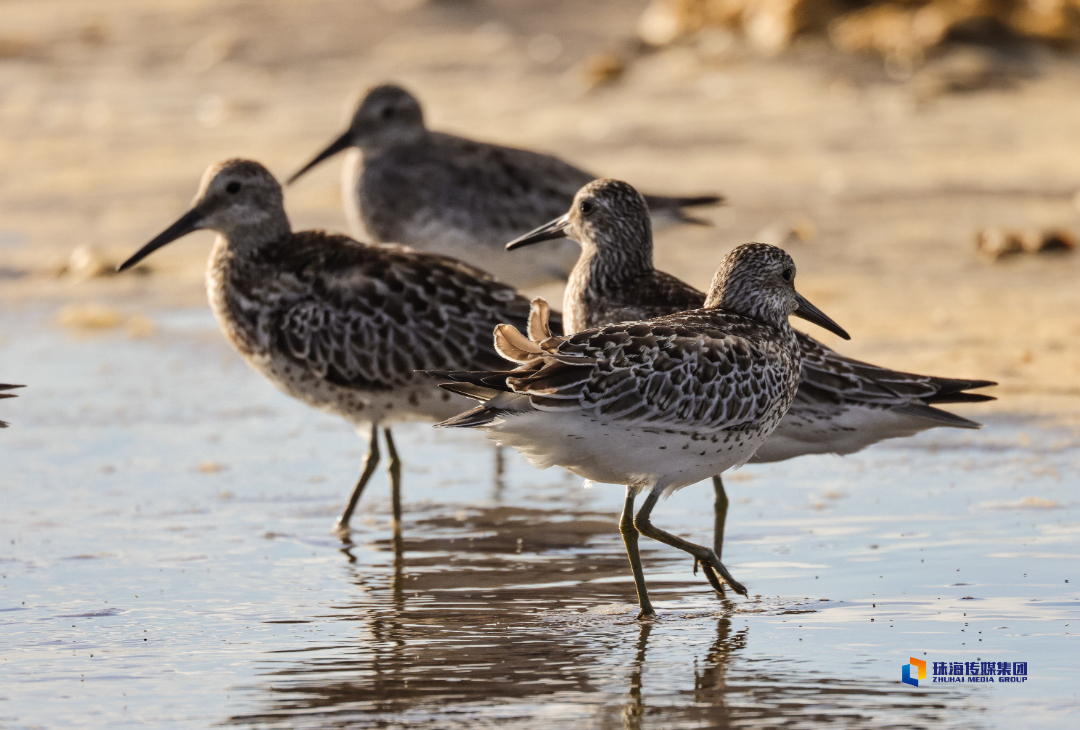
(495, 192)
(828, 376)
(656, 295)
(371, 316)
(711, 371)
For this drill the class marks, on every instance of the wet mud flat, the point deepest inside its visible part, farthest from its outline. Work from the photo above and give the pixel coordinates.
(167, 561)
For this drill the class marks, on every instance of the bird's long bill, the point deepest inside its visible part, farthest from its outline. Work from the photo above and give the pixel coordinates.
(810, 313)
(343, 142)
(547, 232)
(187, 223)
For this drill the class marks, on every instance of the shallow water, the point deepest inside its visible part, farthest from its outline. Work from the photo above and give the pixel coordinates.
(166, 561)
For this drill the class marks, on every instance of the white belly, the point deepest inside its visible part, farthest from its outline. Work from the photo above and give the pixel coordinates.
(615, 454)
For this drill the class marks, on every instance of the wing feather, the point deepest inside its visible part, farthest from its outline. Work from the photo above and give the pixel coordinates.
(370, 316)
(661, 373)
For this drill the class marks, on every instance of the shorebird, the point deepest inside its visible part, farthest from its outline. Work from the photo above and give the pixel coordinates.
(842, 405)
(3, 387)
(657, 404)
(404, 183)
(340, 325)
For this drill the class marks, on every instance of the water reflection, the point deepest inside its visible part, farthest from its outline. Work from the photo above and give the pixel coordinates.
(512, 618)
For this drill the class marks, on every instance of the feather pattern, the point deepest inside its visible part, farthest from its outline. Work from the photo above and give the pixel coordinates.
(456, 196)
(842, 404)
(341, 325)
(363, 318)
(713, 382)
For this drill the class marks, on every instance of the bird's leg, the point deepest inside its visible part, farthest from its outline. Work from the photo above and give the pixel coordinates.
(370, 462)
(709, 562)
(394, 468)
(720, 507)
(719, 515)
(630, 539)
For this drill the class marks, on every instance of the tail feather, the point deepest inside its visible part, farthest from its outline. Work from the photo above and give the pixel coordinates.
(479, 416)
(671, 206)
(937, 415)
(476, 392)
(960, 398)
(951, 390)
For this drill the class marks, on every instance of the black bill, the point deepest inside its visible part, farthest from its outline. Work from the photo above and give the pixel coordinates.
(810, 313)
(547, 232)
(343, 142)
(187, 223)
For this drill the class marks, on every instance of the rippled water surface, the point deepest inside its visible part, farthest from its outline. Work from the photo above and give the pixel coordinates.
(166, 561)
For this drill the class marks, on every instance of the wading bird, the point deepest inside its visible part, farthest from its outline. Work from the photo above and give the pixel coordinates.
(657, 404)
(341, 325)
(404, 183)
(842, 405)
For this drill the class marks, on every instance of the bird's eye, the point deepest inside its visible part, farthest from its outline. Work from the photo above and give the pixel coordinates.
(232, 188)
(586, 207)
(786, 274)
(387, 112)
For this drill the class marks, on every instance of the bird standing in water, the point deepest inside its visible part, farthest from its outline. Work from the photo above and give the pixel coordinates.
(842, 405)
(404, 183)
(657, 404)
(340, 325)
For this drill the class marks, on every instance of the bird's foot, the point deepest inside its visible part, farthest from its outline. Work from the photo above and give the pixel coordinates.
(717, 571)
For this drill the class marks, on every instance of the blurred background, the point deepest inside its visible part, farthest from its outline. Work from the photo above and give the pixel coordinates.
(914, 157)
(165, 556)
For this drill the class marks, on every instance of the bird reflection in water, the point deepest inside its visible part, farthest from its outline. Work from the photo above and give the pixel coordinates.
(710, 675)
(471, 627)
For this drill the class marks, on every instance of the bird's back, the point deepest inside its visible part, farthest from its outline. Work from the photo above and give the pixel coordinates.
(341, 324)
(655, 294)
(466, 199)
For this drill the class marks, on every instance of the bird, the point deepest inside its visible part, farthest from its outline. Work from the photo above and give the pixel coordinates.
(656, 404)
(842, 405)
(340, 325)
(5, 387)
(404, 183)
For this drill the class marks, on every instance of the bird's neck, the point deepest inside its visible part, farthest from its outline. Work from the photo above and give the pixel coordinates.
(598, 276)
(235, 273)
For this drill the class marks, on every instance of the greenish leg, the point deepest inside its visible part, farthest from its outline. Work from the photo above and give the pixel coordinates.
(630, 539)
(394, 468)
(719, 515)
(370, 462)
(709, 562)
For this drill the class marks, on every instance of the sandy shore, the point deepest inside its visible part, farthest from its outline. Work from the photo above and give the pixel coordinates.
(109, 115)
